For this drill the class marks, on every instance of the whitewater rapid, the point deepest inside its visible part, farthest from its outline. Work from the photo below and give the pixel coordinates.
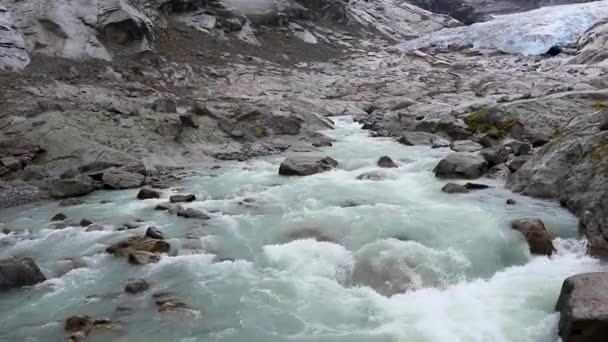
(529, 33)
(396, 260)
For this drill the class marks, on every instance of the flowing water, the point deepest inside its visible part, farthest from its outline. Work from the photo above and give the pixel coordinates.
(449, 266)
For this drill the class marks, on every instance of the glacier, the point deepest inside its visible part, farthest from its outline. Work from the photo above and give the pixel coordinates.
(529, 33)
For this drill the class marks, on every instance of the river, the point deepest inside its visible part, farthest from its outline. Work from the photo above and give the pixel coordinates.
(393, 259)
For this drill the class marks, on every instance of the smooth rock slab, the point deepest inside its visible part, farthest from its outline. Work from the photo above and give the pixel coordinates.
(461, 165)
(535, 233)
(583, 307)
(305, 166)
(15, 273)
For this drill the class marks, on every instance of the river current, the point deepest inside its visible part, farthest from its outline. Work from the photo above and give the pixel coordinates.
(325, 257)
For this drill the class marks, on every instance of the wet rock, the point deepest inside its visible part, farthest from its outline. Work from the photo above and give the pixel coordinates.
(166, 303)
(163, 206)
(70, 202)
(511, 201)
(154, 233)
(59, 217)
(143, 258)
(535, 233)
(132, 225)
(305, 166)
(189, 120)
(191, 213)
(461, 165)
(182, 198)
(516, 162)
(64, 266)
(165, 106)
(85, 222)
(19, 272)
(387, 162)
(453, 188)
(583, 307)
(120, 179)
(138, 243)
(147, 194)
(97, 227)
(78, 323)
(136, 286)
(476, 186)
(420, 138)
(309, 233)
(78, 186)
(465, 146)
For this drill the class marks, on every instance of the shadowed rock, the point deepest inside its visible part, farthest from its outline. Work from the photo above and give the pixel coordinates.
(147, 194)
(535, 233)
(18, 272)
(136, 286)
(453, 188)
(387, 162)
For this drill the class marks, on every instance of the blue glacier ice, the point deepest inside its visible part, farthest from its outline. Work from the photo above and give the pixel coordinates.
(528, 33)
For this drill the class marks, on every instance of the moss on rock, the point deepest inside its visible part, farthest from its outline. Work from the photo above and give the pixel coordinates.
(491, 120)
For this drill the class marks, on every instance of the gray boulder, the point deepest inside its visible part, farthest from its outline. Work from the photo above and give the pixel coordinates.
(453, 188)
(120, 179)
(191, 213)
(461, 165)
(78, 186)
(387, 162)
(583, 308)
(305, 166)
(496, 155)
(535, 233)
(421, 139)
(519, 148)
(516, 162)
(465, 146)
(182, 198)
(18, 272)
(147, 194)
(136, 286)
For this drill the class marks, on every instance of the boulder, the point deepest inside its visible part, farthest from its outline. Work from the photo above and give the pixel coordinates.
(138, 244)
(305, 166)
(18, 272)
(166, 303)
(516, 162)
(85, 222)
(182, 198)
(583, 308)
(420, 138)
(465, 146)
(461, 165)
(80, 185)
(59, 217)
(387, 162)
(120, 179)
(136, 286)
(155, 233)
(143, 258)
(511, 201)
(535, 233)
(519, 148)
(147, 194)
(495, 155)
(453, 188)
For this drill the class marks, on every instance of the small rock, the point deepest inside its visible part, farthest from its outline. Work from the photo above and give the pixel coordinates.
(70, 202)
(476, 186)
(236, 133)
(147, 194)
(166, 303)
(154, 233)
(386, 162)
(78, 323)
(136, 286)
(138, 243)
(182, 198)
(535, 233)
(165, 106)
(85, 222)
(372, 175)
(453, 188)
(511, 201)
(191, 213)
(495, 155)
(143, 258)
(516, 162)
(59, 217)
(465, 146)
(519, 148)
(95, 227)
(163, 206)
(132, 224)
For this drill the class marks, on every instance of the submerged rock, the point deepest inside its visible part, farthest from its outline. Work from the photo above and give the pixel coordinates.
(182, 198)
(136, 286)
(305, 166)
(138, 243)
(387, 162)
(583, 308)
(70, 202)
(78, 323)
(155, 233)
(535, 233)
(461, 165)
(19, 272)
(143, 258)
(191, 213)
(372, 175)
(59, 217)
(453, 188)
(166, 303)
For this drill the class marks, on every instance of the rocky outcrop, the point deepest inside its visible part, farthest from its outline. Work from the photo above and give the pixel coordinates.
(19, 272)
(582, 305)
(305, 166)
(571, 168)
(592, 47)
(461, 165)
(13, 51)
(535, 233)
